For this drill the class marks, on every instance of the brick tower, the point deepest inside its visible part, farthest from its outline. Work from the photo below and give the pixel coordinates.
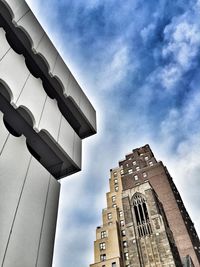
(145, 223)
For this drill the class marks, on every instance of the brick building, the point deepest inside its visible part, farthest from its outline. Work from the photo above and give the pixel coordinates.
(145, 223)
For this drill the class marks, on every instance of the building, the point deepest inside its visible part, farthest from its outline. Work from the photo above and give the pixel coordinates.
(145, 223)
(44, 115)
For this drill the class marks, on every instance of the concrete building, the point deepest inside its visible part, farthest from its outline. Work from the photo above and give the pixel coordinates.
(145, 223)
(44, 115)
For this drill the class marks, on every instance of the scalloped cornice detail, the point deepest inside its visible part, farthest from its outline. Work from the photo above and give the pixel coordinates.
(26, 36)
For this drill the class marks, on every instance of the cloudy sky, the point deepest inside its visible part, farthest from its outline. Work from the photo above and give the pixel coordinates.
(139, 63)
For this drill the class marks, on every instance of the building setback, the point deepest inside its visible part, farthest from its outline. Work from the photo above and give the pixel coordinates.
(145, 223)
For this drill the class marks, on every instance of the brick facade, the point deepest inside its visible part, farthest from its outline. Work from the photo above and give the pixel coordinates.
(148, 217)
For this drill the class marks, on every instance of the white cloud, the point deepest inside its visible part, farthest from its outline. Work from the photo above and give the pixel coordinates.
(146, 32)
(182, 46)
(115, 65)
(183, 42)
(170, 75)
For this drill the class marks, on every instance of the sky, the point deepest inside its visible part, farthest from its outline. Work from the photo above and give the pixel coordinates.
(139, 64)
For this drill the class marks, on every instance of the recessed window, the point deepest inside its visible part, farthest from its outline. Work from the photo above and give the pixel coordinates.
(134, 162)
(130, 171)
(113, 198)
(120, 213)
(122, 223)
(103, 234)
(137, 168)
(114, 205)
(150, 163)
(146, 158)
(110, 223)
(135, 177)
(114, 264)
(109, 215)
(115, 181)
(126, 164)
(116, 188)
(102, 257)
(125, 244)
(102, 246)
(122, 171)
(144, 174)
(126, 256)
(123, 233)
(141, 215)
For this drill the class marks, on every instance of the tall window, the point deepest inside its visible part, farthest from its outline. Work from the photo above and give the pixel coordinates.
(141, 215)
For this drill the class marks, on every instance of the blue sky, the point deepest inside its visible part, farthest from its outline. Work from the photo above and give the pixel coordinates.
(139, 63)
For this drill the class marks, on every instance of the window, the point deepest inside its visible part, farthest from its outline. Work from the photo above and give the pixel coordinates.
(102, 257)
(125, 244)
(114, 264)
(114, 205)
(115, 174)
(109, 215)
(137, 168)
(110, 223)
(144, 174)
(113, 198)
(150, 163)
(102, 246)
(130, 171)
(103, 234)
(126, 256)
(146, 158)
(122, 223)
(134, 162)
(122, 171)
(120, 213)
(116, 188)
(141, 215)
(115, 181)
(123, 233)
(135, 177)
(126, 164)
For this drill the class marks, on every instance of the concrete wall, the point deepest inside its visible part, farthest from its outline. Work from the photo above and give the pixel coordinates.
(44, 115)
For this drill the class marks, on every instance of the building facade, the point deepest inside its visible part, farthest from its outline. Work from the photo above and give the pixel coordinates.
(145, 223)
(44, 115)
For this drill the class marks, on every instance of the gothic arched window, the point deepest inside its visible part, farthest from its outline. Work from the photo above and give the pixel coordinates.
(141, 215)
